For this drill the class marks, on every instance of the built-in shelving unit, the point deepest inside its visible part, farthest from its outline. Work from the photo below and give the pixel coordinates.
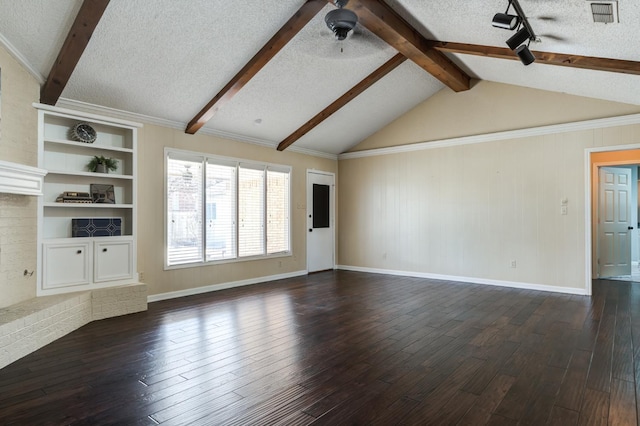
(74, 263)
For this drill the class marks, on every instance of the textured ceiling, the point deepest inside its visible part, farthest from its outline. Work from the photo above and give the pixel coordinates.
(166, 59)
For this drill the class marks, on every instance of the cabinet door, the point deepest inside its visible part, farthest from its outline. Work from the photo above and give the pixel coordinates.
(112, 260)
(65, 264)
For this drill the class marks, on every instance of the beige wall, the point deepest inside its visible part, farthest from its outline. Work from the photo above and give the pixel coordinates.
(151, 143)
(18, 213)
(489, 107)
(469, 211)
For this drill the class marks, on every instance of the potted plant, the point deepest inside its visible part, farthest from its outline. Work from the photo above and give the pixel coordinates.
(101, 164)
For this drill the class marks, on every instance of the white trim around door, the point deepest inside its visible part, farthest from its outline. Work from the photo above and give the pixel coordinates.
(324, 238)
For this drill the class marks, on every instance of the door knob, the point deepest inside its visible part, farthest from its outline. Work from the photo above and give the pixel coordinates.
(629, 227)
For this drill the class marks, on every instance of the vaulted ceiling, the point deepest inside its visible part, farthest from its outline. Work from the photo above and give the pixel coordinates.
(272, 73)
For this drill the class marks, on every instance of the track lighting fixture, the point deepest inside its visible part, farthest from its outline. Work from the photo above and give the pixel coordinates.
(523, 34)
(518, 38)
(525, 55)
(506, 21)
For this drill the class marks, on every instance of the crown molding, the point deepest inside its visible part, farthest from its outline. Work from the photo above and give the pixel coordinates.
(113, 112)
(21, 59)
(179, 125)
(598, 123)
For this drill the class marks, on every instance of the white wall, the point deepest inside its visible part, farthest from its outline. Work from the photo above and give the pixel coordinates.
(469, 211)
(18, 213)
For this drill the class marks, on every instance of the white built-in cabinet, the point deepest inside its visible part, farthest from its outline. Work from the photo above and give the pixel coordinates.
(70, 263)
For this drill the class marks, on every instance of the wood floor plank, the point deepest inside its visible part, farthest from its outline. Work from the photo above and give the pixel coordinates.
(595, 408)
(622, 407)
(343, 347)
(562, 417)
(572, 388)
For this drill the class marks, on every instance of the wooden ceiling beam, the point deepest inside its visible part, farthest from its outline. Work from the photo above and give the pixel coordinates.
(384, 22)
(367, 82)
(549, 58)
(306, 12)
(72, 49)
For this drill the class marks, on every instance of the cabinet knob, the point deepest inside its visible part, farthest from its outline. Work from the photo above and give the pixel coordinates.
(79, 252)
(104, 249)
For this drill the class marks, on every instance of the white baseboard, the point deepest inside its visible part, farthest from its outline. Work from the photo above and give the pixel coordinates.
(499, 283)
(222, 286)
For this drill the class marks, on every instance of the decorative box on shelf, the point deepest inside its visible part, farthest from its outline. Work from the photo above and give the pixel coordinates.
(96, 227)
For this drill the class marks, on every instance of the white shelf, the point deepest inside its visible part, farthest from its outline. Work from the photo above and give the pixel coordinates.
(89, 205)
(86, 145)
(76, 239)
(90, 174)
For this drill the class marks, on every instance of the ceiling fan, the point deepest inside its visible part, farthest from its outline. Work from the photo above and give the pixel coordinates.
(341, 20)
(352, 39)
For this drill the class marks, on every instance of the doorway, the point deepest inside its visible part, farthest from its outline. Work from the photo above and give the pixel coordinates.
(613, 252)
(320, 221)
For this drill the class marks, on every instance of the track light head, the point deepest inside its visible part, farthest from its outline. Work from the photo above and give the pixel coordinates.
(525, 55)
(503, 20)
(518, 38)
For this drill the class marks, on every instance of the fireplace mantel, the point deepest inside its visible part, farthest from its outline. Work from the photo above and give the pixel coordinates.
(20, 179)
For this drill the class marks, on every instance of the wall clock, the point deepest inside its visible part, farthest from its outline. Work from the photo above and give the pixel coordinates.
(83, 132)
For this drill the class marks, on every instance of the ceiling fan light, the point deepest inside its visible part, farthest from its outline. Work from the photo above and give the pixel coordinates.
(503, 20)
(518, 38)
(341, 21)
(525, 55)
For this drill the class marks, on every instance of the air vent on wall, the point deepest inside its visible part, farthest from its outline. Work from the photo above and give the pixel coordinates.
(604, 12)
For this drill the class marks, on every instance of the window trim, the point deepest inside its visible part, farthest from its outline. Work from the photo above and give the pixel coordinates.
(203, 157)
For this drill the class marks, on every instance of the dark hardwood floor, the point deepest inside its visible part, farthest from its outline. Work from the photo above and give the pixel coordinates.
(344, 348)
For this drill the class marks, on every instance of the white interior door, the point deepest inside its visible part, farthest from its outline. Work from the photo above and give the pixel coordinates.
(320, 221)
(614, 222)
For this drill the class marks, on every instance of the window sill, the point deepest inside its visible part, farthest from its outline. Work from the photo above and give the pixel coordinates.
(225, 261)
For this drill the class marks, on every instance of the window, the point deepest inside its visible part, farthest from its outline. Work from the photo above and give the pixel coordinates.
(223, 209)
(250, 211)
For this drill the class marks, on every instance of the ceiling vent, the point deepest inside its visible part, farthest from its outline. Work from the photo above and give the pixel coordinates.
(604, 12)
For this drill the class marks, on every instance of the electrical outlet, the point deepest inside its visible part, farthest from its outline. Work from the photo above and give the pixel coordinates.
(513, 263)
(141, 277)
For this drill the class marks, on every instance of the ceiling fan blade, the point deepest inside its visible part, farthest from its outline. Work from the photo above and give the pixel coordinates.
(552, 37)
(546, 18)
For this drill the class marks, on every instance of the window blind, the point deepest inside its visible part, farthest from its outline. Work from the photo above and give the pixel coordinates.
(184, 211)
(250, 211)
(220, 219)
(277, 211)
(223, 209)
